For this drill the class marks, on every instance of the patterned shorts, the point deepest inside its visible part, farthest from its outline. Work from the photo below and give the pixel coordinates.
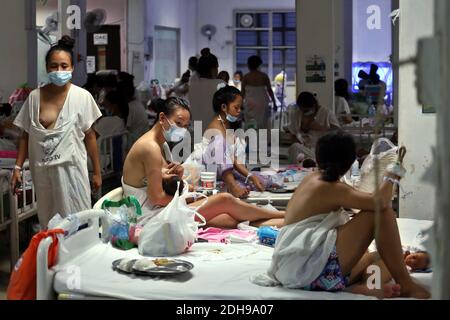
(331, 278)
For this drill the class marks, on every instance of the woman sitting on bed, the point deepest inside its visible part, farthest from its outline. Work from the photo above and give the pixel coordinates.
(226, 153)
(145, 168)
(320, 249)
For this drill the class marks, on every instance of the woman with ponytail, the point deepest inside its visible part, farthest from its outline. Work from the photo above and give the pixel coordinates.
(321, 249)
(56, 121)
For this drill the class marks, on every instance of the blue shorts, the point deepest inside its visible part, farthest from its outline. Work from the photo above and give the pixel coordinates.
(331, 277)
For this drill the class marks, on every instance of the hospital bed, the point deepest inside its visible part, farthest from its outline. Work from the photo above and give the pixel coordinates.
(363, 128)
(15, 209)
(84, 269)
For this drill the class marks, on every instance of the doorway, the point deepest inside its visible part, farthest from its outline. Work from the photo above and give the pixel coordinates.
(167, 54)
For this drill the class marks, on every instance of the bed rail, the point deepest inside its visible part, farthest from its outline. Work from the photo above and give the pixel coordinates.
(20, 208)
(70, 246)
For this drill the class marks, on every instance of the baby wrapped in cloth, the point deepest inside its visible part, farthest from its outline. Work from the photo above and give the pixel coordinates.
(303, 251)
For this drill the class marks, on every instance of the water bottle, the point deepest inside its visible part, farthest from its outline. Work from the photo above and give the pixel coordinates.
(355, 169)
(267, 236)
(372, 111)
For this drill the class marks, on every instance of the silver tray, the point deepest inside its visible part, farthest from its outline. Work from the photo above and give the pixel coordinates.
(170, 267)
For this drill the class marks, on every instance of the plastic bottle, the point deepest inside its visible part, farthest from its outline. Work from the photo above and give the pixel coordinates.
(355, 169)
(372, 111)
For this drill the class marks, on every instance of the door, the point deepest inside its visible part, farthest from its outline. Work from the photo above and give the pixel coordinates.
(167, 54)
(103, 49)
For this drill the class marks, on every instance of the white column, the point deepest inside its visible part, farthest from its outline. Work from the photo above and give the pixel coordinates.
(137, 40)
(13, 54)
(417, 131)
(441, 258)
(80, 75)
(315, 36)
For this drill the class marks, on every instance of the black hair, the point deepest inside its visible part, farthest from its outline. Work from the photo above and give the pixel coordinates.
(239, 72)
(127, 88)
(169, 106)
(107, 80)
(225, 95)
(309, 163)
(185, 77)
(193, 63)
(170, 185)
(119, 99)
(91, 81)
(254, 62)
(306, 100)
(335, 154)
(66, 44)
(224, 75)
(206, 63)
(341, 89)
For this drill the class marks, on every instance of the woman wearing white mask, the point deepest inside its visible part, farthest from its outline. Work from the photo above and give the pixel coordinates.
(223, 151)
(307, 124)
(57, 137)
(146, 167)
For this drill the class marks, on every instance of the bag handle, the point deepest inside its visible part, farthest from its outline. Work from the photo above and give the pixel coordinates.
(195, 209)
(128, 201)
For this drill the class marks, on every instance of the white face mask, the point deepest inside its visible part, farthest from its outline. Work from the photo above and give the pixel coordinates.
(174, 133)
(60, 78)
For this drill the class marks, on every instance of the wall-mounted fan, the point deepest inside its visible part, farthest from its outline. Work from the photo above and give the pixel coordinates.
(51, 25)
(94, 20)
(208, 31)
(246, 20)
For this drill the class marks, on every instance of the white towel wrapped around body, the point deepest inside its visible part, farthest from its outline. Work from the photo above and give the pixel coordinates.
(302, 251)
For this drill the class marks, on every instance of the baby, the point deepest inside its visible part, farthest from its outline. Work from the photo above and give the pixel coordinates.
(417, 261)
(170, 185)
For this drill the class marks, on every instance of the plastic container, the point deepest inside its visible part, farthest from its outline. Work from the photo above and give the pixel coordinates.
(208, 180)
(268, 236)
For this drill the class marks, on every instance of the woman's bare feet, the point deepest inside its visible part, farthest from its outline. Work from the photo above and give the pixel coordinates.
(388, 291)
(415, 291)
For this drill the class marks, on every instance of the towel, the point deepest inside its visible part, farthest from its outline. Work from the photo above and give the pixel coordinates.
(302, 251)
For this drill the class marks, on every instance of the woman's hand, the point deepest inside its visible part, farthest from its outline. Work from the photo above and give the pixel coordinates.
(16, 179)
(258, 183)
(239, 192)
(96, 182)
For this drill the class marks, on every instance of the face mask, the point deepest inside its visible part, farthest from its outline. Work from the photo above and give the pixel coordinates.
(231, 118)
(237, 81)
(60, 78)
(175, 133)
(309, 113)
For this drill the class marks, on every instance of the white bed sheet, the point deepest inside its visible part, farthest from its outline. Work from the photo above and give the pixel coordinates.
(221, 272)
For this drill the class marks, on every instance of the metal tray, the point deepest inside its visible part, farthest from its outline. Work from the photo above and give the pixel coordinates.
(169, 267)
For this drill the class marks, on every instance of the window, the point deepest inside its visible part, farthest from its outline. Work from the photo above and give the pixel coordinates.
(272, 36)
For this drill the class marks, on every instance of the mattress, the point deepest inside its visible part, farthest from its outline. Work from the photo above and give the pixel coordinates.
(221, 272)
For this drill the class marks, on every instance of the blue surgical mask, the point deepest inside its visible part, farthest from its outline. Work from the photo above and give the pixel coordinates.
(175, 133)
(60, 78)
(237, 81)
(231, 118)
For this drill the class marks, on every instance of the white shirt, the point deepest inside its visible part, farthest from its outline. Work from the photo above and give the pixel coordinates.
(341, 107)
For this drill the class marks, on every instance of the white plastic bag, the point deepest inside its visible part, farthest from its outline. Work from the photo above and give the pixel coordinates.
(173, 231)
(386, 152)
